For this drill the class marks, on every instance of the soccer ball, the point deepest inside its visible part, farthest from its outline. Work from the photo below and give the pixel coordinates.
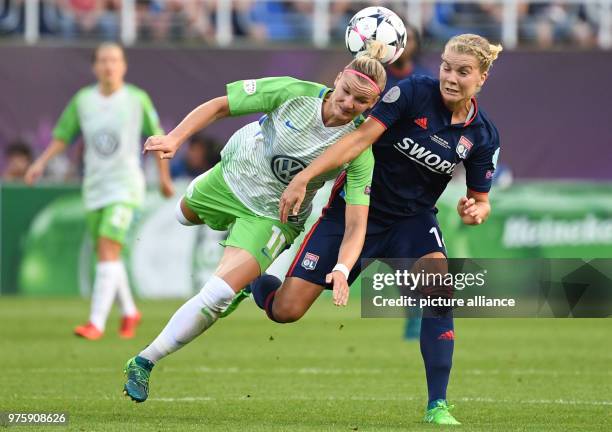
(376, 23)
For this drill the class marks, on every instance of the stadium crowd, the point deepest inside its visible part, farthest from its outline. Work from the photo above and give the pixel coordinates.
(540, 24)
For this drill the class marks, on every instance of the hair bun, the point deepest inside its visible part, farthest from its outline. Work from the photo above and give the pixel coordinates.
(375, 50)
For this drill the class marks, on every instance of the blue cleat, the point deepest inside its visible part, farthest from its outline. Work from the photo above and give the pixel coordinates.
(412, 330)
(137, 370)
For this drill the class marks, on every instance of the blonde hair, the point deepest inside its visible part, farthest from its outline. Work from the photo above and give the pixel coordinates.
(369, 63)
(475, 45)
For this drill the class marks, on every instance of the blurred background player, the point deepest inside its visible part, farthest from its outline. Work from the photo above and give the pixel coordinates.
(409, 63)
(17, 159)
(421, 130)
(241, 193)
(112, 116)
(201, 154)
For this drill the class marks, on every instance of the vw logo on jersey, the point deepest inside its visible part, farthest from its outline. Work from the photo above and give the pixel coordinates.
(286, 167)
(105, 143)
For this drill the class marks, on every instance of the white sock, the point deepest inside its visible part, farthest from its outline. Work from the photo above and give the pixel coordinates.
(124, 295)
(190, 321)
(104, 291)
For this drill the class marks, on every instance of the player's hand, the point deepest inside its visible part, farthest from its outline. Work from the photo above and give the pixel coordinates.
(469, 211)
(166, 145)
(341, 287)
(34, 172)
(292, 198)
(166, 187)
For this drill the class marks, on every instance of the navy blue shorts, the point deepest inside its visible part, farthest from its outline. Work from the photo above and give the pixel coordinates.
(409, 237)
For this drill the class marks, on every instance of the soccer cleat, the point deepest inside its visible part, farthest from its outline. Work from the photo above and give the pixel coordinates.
(440, 414)
(128, 326)
(137, 370)
(88, 331)
(238, 298)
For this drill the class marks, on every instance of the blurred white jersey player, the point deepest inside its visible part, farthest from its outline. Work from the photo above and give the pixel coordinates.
(112, 117)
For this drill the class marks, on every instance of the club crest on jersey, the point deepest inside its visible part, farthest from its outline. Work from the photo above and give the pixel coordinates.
(286, 167)
(310, 261)
(463, 147)
(105, 143)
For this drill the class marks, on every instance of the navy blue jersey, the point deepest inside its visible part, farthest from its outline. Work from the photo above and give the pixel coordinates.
(417, 154)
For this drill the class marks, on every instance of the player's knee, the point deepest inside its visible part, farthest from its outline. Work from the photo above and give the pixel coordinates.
(108, 249)
(287, 312)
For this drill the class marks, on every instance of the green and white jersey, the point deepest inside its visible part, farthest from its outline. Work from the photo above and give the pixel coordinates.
(261, 158)
(112, 128)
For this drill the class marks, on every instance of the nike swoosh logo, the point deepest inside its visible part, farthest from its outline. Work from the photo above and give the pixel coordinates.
(265, 252)
(290, 125)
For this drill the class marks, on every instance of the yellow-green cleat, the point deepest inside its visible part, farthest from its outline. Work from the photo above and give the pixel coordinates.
(440, 414)
(238, 298)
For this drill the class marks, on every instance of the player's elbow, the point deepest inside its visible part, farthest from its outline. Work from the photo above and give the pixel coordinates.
(221, 107)
(355, 148)
(356, 223)
(351, 155)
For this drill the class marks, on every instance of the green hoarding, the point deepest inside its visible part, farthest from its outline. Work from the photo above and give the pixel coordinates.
(45, 249)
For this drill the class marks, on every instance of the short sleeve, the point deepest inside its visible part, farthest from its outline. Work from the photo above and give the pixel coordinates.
(480, 165)
(395, 103)
(67, 127)
(150, 119)
(359, 179)
(266, 94)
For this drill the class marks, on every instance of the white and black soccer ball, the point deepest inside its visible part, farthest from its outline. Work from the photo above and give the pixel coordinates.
(376, 23)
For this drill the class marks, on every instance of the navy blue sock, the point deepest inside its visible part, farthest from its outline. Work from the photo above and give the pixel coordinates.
(437, 344)
(263, 289)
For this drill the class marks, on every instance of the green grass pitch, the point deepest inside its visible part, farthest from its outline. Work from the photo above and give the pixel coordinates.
(330, 372)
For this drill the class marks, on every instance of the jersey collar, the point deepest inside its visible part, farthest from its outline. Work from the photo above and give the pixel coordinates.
(473, 115)
(324, 91)
(112, 95)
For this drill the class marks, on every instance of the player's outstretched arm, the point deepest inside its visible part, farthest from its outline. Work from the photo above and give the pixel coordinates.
(474, 208)
(198, 119)
(345, 150)
(350, 249)
(37, 169)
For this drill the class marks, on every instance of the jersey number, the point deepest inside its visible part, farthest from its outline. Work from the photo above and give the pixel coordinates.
(276, 242)
(121, 217)
(439, 239)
